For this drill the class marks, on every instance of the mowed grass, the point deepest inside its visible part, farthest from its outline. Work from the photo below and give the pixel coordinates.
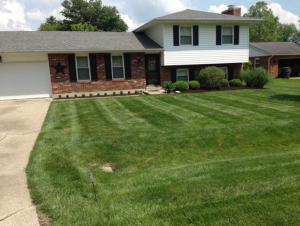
(219, 158)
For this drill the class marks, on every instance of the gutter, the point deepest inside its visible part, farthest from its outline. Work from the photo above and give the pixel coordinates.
(269, 63)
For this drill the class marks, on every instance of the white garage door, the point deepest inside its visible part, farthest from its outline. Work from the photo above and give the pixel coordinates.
(24, 80)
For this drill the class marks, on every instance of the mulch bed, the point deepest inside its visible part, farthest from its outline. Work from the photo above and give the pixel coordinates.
(102, 96)
(222, 89)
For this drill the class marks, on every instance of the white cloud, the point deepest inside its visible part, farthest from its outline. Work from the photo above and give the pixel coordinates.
(13, 16)
(39, 15)
(131, 24)
(119, 5)
(284, 16)
(221, 8)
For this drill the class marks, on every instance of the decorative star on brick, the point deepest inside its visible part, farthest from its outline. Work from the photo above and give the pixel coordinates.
(59, 68)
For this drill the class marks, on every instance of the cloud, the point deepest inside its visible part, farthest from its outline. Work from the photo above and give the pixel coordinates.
(144, 11)
(131, 24)
(284, 16)
(119, 5)
(41, 16)
(13, 16)
(221, 8)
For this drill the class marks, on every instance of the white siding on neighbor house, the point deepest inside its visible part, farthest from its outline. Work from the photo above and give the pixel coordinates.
(207, 52)
(23, 57)
(156, 34)
(254, 52)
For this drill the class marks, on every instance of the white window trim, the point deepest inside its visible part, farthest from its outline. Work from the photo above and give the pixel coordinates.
(192, 36)
(232, 27)
(88, 67)
(112, 66)
(226, 76)
(255, 63)
(188, 74)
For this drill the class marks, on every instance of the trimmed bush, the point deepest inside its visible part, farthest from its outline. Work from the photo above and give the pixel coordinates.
(136, 92)
(224, 83)
(59, 96)
(98, 94)
(105, 94)
(181, 86)
(128, 92)
(83, 95)
(169, 87)
(194, 85)
(235, 82)
(67, 96)
(75, 95)
(121, 92)
(91, 94)
(114, 93)
(211, 77)
(257, 77)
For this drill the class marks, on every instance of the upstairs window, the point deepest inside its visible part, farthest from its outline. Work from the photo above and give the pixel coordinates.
(83, 70)
(256, 63)
(117, 67)
(185, 35)
(227, 35)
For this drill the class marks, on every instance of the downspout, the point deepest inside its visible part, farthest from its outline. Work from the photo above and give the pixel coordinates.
(269, 63)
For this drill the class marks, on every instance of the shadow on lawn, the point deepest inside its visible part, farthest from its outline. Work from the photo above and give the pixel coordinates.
(286, 97)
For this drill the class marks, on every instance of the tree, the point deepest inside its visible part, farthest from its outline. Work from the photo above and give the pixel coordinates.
(51, 25)
(268, 31)
(289, 32)
(83, 27)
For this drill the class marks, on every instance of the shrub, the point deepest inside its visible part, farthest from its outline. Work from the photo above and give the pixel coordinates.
(235, 82)
(105, 94)
(169, 87)
(211, 77)
(181, 86)
(194, 85)
(91, 94)
(128, 92)
(67, 96)
(59, 96)
(257, 77)
(224, 83)
(83, 95)
(98, 94)
(114, 93)
(75, 95)
(121, 92)
(136, 92)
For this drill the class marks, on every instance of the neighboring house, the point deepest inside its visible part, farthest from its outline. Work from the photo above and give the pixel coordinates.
(275, 55)
(169, 48)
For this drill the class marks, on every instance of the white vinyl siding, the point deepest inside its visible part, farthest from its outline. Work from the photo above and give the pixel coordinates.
(254, 52)
(207, 52)
(156, 34)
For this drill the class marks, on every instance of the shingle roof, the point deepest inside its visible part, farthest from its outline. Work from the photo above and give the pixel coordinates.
(18, 41)
(278, 48)
(189, 14)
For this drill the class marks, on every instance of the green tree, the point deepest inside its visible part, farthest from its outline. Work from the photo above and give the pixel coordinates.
(269, 30)
(83, 27)
(289, 32)
(51, 24)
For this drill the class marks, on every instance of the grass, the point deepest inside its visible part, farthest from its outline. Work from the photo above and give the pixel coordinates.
(218, 158)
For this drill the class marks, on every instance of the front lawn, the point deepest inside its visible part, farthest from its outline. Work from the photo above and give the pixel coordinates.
(218, 158)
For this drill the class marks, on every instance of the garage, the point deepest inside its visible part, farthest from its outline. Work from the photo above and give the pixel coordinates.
(24, 76)
(293, 63)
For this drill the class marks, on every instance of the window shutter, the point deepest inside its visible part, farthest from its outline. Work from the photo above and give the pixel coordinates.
(230, 73)
(219, 35)
(196, 35)
(93, 65)
(236, 35)
(176, 35)
(173, 75)
(108, 67)
(127, 66)
(192, 74)
(72, 68)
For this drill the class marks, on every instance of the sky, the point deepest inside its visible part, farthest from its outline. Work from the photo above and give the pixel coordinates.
(18, 15)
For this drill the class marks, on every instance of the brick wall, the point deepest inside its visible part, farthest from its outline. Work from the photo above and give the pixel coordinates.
(165, 72)
(274, 69)
(61, 82)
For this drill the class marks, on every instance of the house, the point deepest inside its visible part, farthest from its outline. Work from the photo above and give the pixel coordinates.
(275, 55)
(170, 48)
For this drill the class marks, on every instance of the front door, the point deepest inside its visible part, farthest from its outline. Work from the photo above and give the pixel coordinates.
(152, 69)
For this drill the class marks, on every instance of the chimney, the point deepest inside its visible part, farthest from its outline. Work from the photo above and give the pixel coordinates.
(235, 11)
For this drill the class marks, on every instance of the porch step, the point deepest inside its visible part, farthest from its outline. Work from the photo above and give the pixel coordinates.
(153, 88)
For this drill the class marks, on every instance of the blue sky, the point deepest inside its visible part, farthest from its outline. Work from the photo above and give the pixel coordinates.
(29, 14)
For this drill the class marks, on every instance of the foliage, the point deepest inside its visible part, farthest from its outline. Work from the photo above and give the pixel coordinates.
(235, 82)
(181, 86)
(83, 95)
(211, 77)
(128, 92)
(114, 93)
(169, 86)
(59, 96)
(257, 77)
(75, 95)
(136, 92)
(51, 24)
(121, 92)
(83, 27)
(98, 94)
(194, 85)
(91, 94)
(224, 83)
(105, 94)
(289, 32)
(67, 96)
(246, 66)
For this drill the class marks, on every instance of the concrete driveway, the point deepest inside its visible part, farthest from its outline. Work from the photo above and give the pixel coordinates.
(20, 124)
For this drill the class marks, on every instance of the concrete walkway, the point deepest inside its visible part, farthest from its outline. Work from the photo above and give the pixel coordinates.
(20, 124)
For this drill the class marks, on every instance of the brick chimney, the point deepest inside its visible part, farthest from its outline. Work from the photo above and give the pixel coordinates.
(235, 11)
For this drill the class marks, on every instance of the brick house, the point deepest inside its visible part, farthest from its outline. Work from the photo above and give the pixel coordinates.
(275, 55)
(170, 48)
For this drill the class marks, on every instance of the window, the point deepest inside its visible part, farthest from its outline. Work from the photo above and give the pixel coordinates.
(227, 35)
(117, 67)
(225, 69)
(183, 75)
(83, 70)
(185, 35)
(256, 63)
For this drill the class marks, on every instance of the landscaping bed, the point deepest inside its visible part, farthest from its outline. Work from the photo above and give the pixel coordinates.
(102, 96)
(221, 89)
